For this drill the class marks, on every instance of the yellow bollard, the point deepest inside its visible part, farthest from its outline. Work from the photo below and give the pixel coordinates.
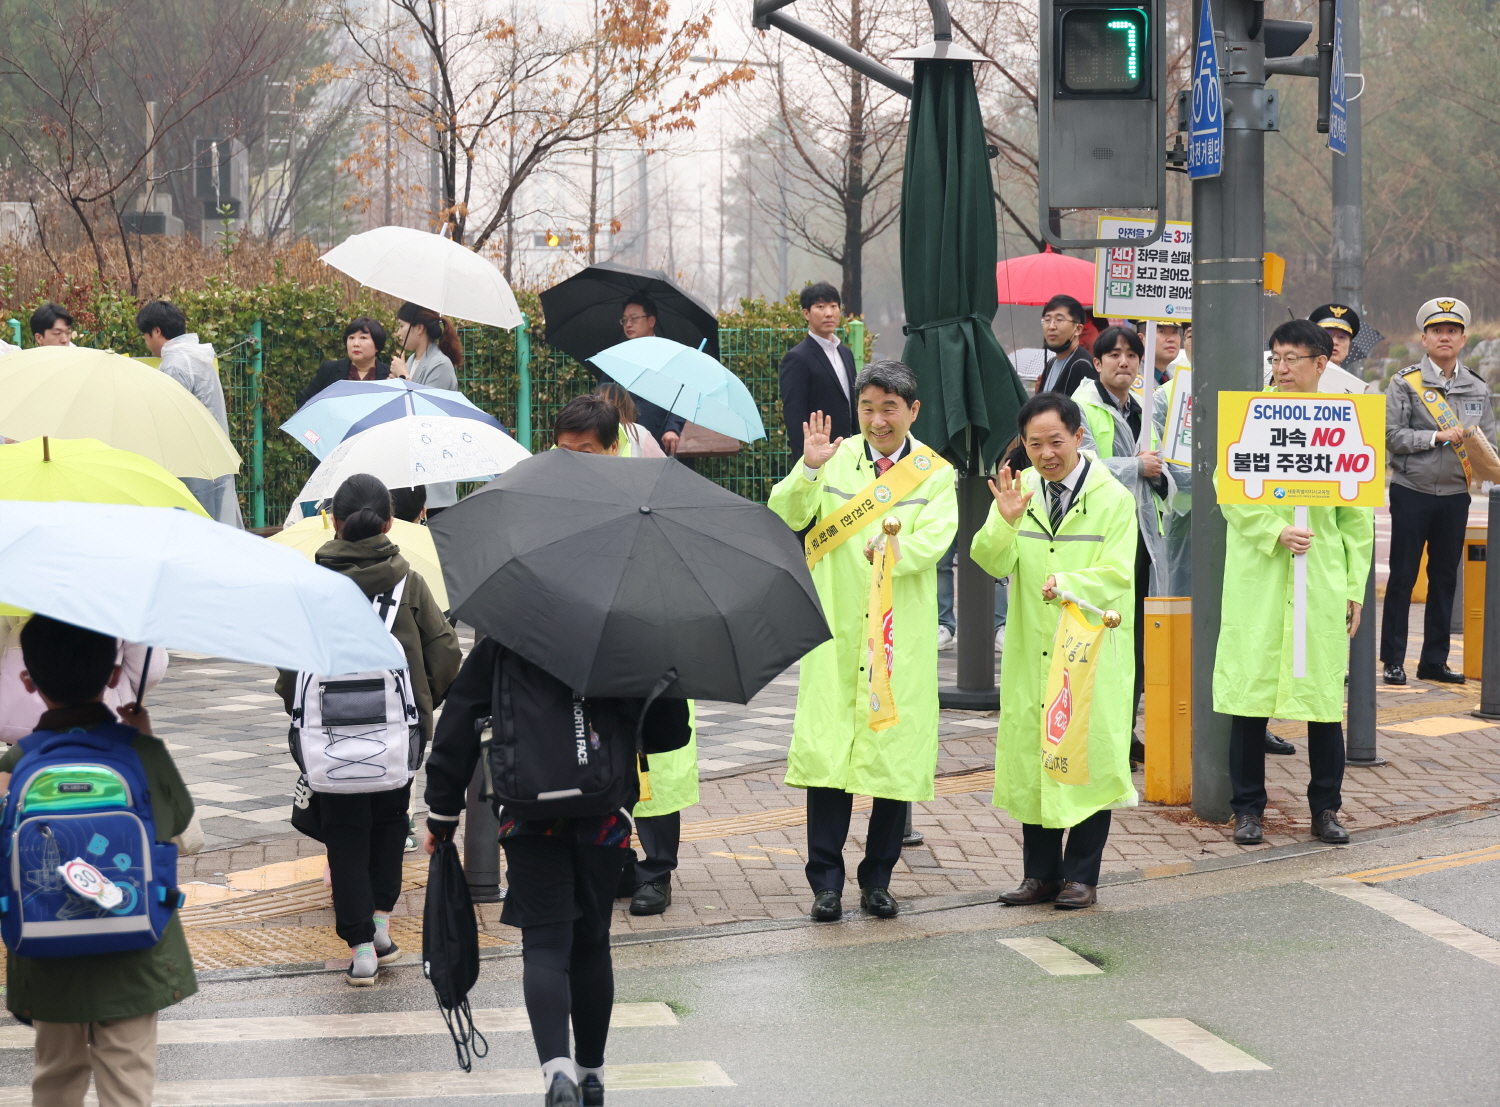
(1169, 699)
(1476, 545)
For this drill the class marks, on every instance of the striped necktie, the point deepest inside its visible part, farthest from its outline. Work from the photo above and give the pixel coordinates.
(1059, 492)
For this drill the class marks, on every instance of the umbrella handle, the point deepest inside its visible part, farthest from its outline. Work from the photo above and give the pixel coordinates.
(702, 343)
(140, 692)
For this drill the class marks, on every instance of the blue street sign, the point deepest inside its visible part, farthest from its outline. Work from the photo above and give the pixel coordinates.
(1338, 109)
(1206, 131)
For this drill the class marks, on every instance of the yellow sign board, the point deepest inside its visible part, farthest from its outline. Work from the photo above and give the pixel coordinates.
(1301, 449)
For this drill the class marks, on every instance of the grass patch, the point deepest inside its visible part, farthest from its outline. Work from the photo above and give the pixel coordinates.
(1109, 962)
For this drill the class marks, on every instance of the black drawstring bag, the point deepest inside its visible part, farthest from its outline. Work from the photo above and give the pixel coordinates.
(450, 950)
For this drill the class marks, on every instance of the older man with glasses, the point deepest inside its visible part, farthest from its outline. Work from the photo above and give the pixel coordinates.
(638, 320)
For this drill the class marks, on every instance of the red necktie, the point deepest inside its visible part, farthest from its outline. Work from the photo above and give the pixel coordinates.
(881, 465)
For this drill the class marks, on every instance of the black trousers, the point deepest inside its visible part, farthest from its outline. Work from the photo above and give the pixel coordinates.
(1044, 857)
(365, 833)
(828, 814)
(1247, 766)
(1436, 522)
(660, 837)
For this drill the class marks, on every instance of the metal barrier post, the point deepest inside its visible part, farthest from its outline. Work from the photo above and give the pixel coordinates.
(1360, 738)
(258, 442)
(1489, 696)
(857, 342)
(523, 385)
(1474, 566)
(1169, 699)
(15, 331)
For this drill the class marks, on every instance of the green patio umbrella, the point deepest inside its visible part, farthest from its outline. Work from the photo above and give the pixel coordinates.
(948, 255)
(969, 392)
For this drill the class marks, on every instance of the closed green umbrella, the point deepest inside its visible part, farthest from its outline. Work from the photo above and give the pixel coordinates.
(948, 255)
(970, 393)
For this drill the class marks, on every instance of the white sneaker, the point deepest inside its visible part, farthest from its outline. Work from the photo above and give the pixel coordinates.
(1000, 638)
(946, 639)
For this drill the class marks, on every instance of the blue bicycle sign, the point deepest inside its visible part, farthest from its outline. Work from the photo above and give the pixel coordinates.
(1338, 104)
(1206, 131)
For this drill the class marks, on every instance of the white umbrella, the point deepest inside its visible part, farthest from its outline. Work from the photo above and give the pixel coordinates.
(419, 449)
(429, 270)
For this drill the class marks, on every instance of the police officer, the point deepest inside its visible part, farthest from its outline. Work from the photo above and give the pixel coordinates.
(1342, 324)
(1427, 408)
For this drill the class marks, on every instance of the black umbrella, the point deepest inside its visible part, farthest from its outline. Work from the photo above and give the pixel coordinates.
(608, 572)
(583, 312)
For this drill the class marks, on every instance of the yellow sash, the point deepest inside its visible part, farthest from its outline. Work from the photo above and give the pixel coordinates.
(1070, 697)
(880, 632)
(882, 494)
(1437, 406)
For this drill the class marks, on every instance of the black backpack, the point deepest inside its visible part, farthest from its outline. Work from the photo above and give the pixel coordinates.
(550, 753)
(450, 950)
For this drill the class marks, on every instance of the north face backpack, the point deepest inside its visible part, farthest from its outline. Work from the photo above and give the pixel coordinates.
(550, 753)
(83, 872)
(358, 733)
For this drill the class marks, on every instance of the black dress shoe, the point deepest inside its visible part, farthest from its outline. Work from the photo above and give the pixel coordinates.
(1075, 896)
(878, 902)
(1440, 673)
(1278, 745)
(1247, 830)
(592, 1091)
(827, 907)
(1031, 890)
(652, 898)
(1394, 674)
(1325, 825)
(1137, 751)
(562, 1092)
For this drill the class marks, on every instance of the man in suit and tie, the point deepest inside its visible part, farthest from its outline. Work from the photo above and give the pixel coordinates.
(817, 374)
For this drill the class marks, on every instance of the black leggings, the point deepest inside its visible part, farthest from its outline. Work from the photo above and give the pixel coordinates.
(568, 971)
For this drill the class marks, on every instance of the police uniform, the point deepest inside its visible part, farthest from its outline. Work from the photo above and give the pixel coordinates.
(1429, 495)
(1342, 318)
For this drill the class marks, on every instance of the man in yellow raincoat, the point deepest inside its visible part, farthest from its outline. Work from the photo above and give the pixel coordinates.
(852, 488)
(584, 426)
(1064, 525)
(1253, 679)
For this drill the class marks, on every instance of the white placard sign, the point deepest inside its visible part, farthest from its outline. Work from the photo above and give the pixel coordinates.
(1178, 447)
(1144, 282)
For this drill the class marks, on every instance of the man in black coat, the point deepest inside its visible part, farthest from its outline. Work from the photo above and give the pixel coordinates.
(817, 374)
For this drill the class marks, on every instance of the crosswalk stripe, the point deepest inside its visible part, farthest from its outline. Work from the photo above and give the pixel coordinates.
(1426, 865)
(375, 1024)
(1208, 1051)
(407, 1085)
(1414, 915)
(1056, 958)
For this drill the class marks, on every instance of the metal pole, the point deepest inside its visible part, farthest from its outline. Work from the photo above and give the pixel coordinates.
(1489, 694)
(523, 382)
(258, 442)
(1228, 241)
(481, 844)
(974, 602)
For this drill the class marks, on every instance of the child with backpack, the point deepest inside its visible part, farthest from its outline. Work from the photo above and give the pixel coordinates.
(359, 738)
(91, 811)
(562, 773)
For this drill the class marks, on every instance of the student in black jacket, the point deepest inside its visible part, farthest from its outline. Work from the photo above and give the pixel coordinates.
(817, 374)
(364, 341)
(562, 876)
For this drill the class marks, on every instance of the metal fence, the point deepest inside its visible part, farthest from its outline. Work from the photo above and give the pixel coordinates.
(513, 375)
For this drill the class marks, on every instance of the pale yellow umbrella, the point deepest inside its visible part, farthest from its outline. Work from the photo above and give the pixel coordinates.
(74, 392)
(309, 536)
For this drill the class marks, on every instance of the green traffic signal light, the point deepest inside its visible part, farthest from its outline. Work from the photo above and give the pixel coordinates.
(1103, 53)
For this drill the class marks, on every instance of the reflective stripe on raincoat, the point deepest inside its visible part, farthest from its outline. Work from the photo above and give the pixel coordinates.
(832, 744)
(1093, 556)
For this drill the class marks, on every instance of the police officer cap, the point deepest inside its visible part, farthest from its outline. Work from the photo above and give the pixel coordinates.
(1443, 310)
(1336, 317)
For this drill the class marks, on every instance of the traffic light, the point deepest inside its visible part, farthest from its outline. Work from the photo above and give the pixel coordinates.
(551, 240)
(1103, 119)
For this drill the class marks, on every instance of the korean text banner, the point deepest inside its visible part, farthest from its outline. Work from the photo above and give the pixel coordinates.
(1301, 449)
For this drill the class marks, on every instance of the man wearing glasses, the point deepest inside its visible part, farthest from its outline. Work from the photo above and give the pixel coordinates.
(638, 320)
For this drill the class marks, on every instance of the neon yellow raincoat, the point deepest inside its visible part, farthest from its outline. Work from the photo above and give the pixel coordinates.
(1253, 667)
(832, 743)
(1092, 555)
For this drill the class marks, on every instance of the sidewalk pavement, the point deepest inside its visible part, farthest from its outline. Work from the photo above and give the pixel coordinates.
(743, 846)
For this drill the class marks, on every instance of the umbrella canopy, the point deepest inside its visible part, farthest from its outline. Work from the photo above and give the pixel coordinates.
(311, 535)
(168, 578)
(86, 471)
(583, 312)
(1033, 279)
(345, 408)
(416, 449)
(686, 382)
(607, 573)
(74, 392)
(964, 379)
(429, 270)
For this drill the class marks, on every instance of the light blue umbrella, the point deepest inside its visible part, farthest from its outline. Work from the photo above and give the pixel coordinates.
(686, 382)
(166, 578)
(345, 408)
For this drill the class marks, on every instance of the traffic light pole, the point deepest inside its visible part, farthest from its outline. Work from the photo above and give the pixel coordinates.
(1228, 244)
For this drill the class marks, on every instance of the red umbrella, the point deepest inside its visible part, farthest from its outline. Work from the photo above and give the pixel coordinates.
(1036, 278)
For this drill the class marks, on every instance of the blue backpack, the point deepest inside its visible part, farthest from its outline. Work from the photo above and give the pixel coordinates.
(83, 872)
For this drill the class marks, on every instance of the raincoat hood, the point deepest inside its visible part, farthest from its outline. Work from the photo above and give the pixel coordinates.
(374, 563)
